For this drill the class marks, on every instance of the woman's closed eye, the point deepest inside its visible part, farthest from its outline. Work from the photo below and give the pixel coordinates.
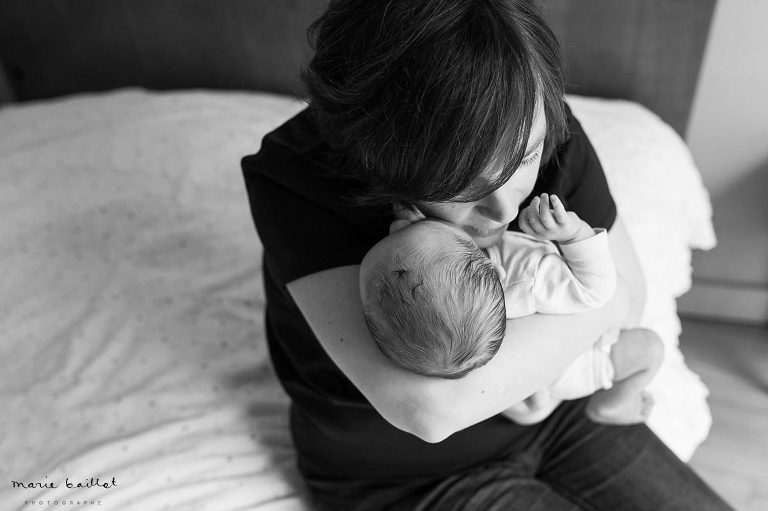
(529, 160)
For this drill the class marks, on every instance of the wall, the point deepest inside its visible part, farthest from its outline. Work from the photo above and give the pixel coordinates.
(728, 135)
(6, 94)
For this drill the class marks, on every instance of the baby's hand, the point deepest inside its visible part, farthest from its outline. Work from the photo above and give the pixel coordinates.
(546, 218)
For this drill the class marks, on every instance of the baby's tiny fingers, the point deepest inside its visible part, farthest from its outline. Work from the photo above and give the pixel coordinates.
(532, 218)
(409, 213)
(561, 215)
(534, 205)
(524, 222)
(545, 213)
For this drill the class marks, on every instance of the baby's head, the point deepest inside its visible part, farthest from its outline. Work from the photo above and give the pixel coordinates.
(432, 300)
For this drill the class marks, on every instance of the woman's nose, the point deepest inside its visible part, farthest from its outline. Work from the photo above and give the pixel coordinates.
(501, 204)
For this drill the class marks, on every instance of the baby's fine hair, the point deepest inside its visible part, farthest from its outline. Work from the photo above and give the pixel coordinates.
(440, 311)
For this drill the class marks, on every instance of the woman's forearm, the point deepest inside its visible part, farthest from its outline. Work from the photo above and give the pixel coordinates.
(534, 352)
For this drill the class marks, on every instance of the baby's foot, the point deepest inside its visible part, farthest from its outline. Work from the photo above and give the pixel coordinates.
(601, 408)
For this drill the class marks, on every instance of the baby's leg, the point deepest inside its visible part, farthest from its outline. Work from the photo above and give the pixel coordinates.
(636, 357)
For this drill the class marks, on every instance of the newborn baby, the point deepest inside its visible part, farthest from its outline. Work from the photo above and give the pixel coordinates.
(437, 305)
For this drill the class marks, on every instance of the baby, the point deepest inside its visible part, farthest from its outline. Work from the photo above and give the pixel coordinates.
(437, 305)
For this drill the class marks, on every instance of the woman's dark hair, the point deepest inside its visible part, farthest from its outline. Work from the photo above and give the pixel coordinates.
(420, 97)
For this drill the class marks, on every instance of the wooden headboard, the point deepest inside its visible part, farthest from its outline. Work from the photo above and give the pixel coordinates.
(649, 51)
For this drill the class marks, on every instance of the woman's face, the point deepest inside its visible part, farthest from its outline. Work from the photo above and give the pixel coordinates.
(486, 219)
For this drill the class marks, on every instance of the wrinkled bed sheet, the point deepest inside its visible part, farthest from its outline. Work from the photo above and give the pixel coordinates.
(131, 304)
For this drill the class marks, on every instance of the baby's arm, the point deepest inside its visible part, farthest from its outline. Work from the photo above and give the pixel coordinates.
(584, 276)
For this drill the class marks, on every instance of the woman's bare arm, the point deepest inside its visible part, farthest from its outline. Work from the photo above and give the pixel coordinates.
(535, 351)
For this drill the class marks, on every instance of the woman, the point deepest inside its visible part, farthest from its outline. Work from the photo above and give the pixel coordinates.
(453, 108)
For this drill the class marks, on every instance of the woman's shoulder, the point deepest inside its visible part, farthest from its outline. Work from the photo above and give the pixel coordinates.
(288, 153)
(299, 210)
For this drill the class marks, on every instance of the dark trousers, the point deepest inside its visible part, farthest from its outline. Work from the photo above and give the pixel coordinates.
(570, 463)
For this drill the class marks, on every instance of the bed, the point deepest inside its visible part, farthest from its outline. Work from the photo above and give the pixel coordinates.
(132, 354)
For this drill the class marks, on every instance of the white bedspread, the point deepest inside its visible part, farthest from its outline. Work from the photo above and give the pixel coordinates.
(131, 332)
